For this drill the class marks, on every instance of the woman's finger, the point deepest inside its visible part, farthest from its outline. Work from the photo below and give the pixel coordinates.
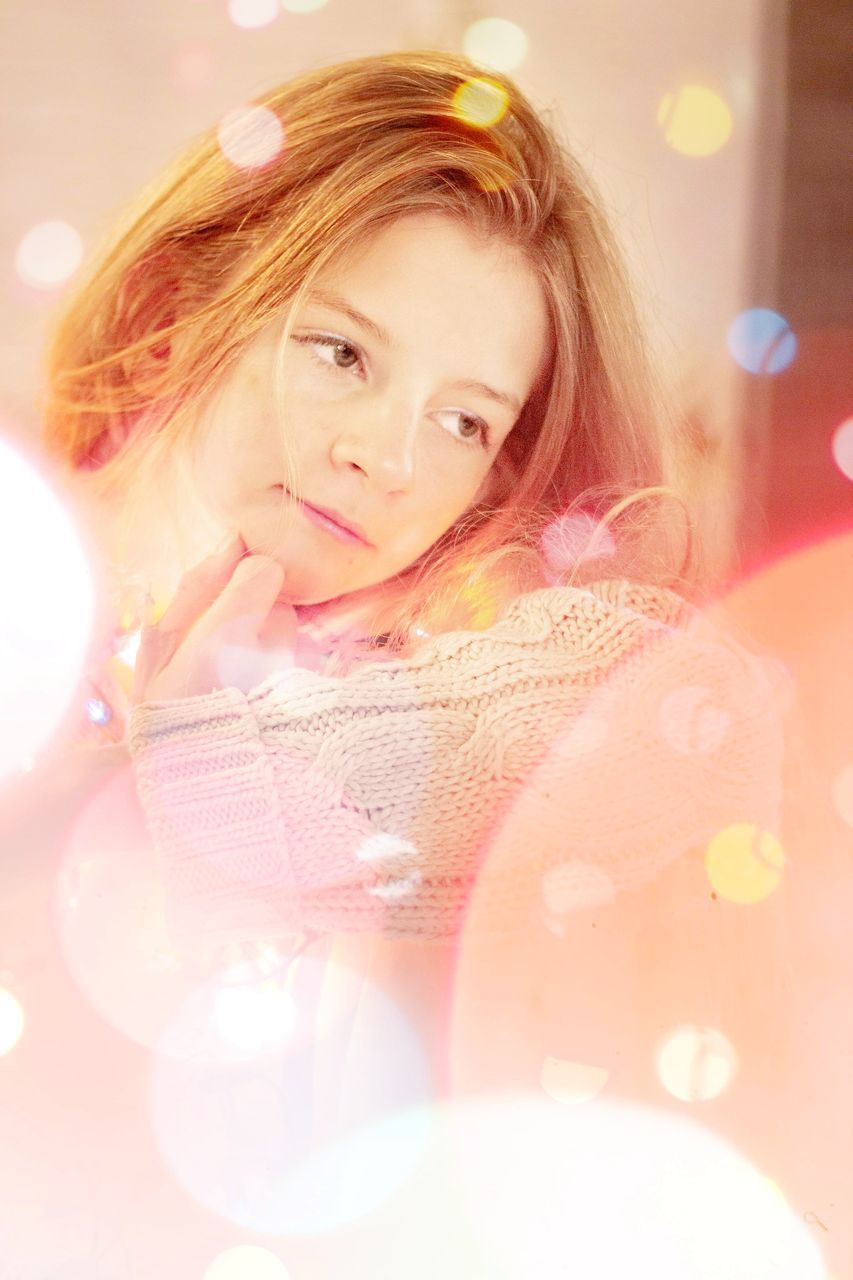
(202, 585)
(156, 650)
(221, 649)
(242, 606)
(159, 642)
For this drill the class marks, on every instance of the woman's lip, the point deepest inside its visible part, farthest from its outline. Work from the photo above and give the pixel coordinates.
(329, 522)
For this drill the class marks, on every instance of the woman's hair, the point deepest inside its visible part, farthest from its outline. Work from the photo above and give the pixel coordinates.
(589, 482)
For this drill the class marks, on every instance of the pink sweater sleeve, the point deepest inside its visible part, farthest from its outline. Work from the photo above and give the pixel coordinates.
(583, 742)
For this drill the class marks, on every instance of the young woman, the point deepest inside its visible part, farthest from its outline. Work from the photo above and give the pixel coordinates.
(445, 660)
(371, 426)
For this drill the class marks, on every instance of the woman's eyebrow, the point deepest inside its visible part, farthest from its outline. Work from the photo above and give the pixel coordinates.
(337, 303)
(483, 389)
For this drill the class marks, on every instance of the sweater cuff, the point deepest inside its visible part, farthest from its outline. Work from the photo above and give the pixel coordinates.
(207, 792)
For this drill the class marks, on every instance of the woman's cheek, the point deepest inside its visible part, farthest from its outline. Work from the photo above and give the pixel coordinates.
(302, 377)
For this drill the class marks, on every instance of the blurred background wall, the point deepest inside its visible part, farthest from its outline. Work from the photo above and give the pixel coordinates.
(801, 453)
(708, 129)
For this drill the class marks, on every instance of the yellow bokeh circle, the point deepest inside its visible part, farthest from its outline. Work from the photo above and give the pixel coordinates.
(695, 121)
(480, 102)
(744, 863)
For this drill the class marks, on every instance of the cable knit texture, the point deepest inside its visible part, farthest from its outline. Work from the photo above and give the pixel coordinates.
(572, 751)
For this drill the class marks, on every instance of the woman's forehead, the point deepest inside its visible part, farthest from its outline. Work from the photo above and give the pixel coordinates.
(419, 268)
(403, 236)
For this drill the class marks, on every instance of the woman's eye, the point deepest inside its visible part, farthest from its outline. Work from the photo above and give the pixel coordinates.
(337, 353)
(470, 427)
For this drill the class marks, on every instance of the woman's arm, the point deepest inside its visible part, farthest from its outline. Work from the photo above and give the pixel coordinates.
(585, 741)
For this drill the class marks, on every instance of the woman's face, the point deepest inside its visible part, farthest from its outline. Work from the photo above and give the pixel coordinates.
(406, 370)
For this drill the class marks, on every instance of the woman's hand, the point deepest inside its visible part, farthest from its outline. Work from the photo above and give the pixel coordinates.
(210, 636)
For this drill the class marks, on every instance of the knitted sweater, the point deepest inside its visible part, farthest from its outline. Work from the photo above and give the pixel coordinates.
(587, 739)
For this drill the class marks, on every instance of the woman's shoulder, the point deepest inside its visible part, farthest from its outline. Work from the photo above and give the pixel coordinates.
(621, 614)
(547, 635)
(617, 631)
(602, 600)
(609, 615)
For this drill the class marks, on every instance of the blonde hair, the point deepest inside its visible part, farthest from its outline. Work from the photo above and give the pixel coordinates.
(211, 253)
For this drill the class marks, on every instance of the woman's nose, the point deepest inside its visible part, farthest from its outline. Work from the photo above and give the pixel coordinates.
(380, 439)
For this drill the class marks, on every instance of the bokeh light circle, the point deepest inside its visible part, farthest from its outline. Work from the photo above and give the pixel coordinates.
(572, 1082)
(496, 43)
(48, 610)
(251, 14)
(302, 6)
(696, 1063)
(555, 1191)
(689, 721)
(842, 448)
(576, 885)
(110, 900)
(842, 794)
(744, 863)
(246, 1262)
(11, 1021)
(254, 1015)
(480, 102)
(48, 254)
(695, 121)
(761, 341)
(308, 1133)
(251, 137)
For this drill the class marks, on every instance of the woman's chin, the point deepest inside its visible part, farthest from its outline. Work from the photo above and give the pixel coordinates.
(306, 595)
